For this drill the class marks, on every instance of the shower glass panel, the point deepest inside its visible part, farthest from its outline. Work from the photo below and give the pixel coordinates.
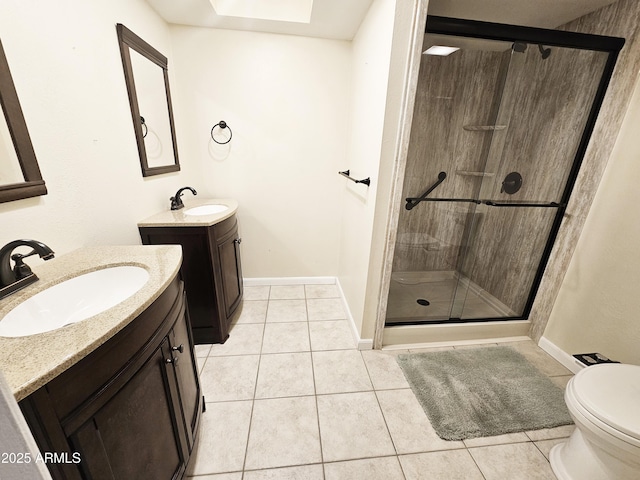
(499, 129)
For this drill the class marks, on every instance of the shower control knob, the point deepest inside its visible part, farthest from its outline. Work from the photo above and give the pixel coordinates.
(512, 183)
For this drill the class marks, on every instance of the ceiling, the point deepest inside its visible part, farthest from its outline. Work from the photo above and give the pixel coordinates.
(329, 18)
(332, 19)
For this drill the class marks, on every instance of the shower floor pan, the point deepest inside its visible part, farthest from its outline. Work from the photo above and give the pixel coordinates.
(418, 296)
(438, 288)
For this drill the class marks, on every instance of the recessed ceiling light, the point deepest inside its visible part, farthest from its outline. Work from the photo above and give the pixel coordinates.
(440, 50)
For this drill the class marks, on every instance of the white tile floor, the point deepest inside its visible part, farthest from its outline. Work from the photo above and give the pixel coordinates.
(289, 397)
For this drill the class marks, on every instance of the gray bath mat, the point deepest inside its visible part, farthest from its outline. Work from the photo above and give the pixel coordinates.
(483, 392)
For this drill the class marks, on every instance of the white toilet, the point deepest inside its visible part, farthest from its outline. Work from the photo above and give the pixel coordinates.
(604, 401)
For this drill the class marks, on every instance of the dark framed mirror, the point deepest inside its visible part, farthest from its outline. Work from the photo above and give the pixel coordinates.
(20, 175)
(147, 79)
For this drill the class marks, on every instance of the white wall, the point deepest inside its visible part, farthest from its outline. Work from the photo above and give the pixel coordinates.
(408, 31)
(65, 62)
(598, 305)
(369, 77)
(286, 99)
(301, 109)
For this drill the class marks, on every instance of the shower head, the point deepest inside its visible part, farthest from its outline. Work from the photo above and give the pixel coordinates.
(521, 47)
(545, 52)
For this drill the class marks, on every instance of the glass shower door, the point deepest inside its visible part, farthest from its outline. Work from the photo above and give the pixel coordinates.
(531, 165)
(457, 103)
(498, 132)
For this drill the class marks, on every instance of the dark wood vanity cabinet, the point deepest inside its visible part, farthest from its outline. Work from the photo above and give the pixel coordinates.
(132, 435)
(131, 408)
(211, 270)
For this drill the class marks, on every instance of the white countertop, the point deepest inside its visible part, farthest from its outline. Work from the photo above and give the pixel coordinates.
(177, 218)
(30, 362)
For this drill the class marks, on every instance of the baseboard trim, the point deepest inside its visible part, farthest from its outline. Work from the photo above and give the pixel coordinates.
(365, 344)
(361, 344)
(260, 281)
(560, 355)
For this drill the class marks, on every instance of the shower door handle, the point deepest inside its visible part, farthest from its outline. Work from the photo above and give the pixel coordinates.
(491, 203)
(413, 201)
(459, 200)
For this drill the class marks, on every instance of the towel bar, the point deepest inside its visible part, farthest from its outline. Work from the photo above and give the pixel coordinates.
(366, 181)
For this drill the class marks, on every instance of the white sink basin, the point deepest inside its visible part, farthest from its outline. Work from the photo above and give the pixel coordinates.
(73, 300)
(206, 209)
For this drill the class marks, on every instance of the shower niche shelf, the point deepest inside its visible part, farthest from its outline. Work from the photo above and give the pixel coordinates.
(483, 128)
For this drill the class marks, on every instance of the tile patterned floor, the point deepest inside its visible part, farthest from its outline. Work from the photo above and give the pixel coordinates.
(289, 397)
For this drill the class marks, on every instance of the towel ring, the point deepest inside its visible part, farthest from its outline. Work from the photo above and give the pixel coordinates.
(146, 129)
(222, 124)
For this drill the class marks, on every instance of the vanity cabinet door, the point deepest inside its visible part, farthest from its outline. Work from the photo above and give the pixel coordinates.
(135, 435)
(185, 369)
(231, 272)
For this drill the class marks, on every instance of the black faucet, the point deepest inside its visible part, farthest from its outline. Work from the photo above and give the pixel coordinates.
(176, 201)
(13, 279)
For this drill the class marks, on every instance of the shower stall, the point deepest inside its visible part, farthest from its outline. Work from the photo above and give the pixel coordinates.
(501, 122)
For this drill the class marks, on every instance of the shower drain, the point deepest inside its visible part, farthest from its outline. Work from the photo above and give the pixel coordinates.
(423, 302)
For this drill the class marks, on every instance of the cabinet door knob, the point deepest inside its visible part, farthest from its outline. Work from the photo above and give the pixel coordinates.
(238, 241)
(173, 360)
(179, 348)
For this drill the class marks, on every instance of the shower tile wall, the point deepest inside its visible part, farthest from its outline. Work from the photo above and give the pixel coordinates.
(544, 106)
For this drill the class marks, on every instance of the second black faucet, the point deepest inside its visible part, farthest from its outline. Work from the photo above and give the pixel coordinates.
(176, 201)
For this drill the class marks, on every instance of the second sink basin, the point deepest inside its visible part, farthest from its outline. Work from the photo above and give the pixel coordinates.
(73, 300)
(206, 209)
